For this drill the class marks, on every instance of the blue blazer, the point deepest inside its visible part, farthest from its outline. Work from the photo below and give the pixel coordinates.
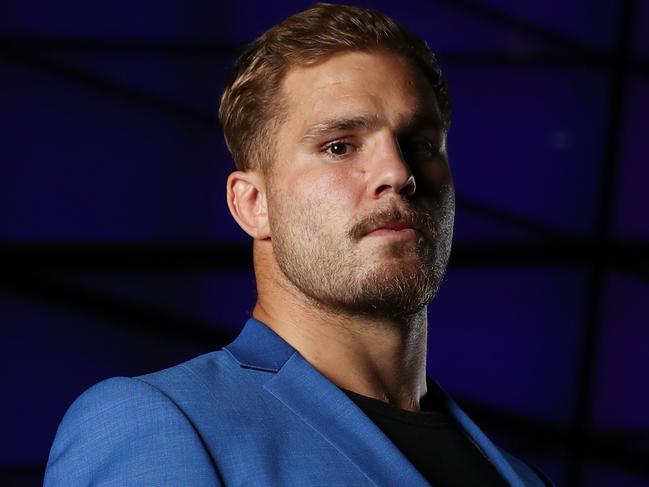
(252, 414)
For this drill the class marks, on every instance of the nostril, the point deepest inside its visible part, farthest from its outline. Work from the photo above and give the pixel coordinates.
(409, 188)
(383, 188)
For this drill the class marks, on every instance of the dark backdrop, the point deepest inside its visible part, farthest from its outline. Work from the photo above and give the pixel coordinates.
(119, 257)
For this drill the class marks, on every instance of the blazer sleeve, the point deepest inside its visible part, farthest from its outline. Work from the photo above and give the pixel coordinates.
(126, 432)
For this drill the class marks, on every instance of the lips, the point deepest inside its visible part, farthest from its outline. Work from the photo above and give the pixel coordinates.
(394, 222)
(393, 227)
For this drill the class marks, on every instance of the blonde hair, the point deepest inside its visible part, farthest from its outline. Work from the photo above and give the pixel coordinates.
(251, 105)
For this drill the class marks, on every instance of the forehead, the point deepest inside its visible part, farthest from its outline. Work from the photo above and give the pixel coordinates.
(377, 84)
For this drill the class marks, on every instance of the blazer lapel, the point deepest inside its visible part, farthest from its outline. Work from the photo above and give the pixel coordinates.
(328, 410)
(486, 446)
(318, 402)
(325, 408)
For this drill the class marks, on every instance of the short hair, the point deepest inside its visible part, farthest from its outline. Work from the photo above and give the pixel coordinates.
(251, 104)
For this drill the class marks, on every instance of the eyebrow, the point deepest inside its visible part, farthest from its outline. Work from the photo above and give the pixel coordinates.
(369, 122)
(421, 121)
(339, 125)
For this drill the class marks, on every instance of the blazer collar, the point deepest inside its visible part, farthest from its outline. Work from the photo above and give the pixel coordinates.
(328, 410)
(259, 347)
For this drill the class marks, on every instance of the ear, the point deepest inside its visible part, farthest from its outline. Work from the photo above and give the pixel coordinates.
(246, 194)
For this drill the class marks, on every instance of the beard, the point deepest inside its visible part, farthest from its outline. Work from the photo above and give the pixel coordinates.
(330, 266)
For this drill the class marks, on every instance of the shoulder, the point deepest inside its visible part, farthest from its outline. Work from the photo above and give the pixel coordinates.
(110, 405)
(126, 431)
(214, 369)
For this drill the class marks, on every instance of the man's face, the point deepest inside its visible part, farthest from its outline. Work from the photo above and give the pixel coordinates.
(348, 227)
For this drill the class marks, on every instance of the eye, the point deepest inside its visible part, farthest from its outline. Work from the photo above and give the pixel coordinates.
(338, 149)
(419, 149)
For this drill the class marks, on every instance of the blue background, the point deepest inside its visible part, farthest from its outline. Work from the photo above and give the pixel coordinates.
(119, 256)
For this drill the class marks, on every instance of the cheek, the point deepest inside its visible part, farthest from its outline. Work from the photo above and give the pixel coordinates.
(434, 186)
(438, 170)
(333, 190)
(433, 176)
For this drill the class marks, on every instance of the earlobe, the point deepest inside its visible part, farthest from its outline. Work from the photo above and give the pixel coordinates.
(247, 202)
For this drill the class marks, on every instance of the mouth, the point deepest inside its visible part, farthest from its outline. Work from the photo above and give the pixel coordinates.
(394, 228)
(395, 223)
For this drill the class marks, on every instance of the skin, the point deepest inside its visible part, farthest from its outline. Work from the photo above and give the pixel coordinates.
(352, 224)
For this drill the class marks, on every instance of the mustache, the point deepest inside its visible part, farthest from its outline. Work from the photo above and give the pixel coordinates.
(416, 218)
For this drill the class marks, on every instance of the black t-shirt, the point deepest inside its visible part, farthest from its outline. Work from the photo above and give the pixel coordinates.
(432, 441)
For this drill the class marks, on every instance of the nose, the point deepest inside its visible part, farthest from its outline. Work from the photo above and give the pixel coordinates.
(389, 172)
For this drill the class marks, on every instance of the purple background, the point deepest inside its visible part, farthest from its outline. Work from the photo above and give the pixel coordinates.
(120, 257)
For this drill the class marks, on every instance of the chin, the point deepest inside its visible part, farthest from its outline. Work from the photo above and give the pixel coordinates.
(398, 288)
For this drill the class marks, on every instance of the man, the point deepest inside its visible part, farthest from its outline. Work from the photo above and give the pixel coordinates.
(336, 120)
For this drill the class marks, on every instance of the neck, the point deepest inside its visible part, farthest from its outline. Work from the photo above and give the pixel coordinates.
(379, 357)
